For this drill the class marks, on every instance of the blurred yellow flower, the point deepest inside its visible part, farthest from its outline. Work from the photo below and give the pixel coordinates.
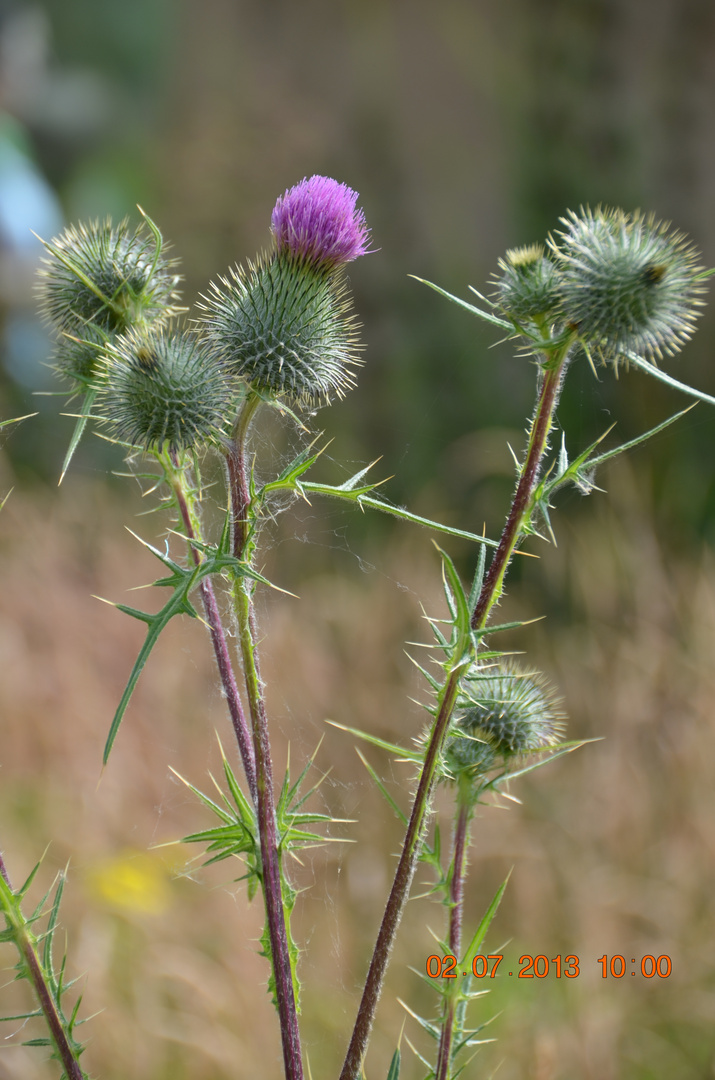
(132, 881)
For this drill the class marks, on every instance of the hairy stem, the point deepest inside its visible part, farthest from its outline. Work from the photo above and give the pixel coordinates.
(238, 478)
(456, 912)
(218, 640)
(24, 942)
(239, 482)
(521, 506)
(400, 887)
(519, 514)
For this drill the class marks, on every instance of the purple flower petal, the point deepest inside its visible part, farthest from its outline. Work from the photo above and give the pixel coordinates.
(317, 221)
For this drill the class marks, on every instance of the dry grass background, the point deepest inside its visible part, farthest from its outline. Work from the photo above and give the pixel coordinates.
(612, 848)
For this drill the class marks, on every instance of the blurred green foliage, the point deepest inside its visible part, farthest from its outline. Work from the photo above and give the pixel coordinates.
(467, 128)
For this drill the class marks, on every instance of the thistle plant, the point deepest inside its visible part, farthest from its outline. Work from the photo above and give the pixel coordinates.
(278, 333)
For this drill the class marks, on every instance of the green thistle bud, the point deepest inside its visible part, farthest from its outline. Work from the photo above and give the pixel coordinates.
(502, 713)
(467, 754)
(162, 389)
(528, 285)
(78, 357)
(627, 284)
(106, 276)
(283, 325)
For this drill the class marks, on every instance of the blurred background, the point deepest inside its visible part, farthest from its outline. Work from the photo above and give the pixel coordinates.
(468, 127)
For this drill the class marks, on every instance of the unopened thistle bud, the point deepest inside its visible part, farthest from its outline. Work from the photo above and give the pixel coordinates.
(283, 323)
(528, 285)
(627, 283)
(163, 390)
(106, 276)
(502, 713)
(78, 356)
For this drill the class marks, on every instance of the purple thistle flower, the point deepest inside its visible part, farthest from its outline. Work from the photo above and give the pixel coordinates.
(317, 221)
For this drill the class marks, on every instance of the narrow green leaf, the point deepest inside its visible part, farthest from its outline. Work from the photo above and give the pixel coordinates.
(227, 818)
(461, 613)
(79, 427)
(245, 809)
(52, 923)
(363, 501)
(177, 605)
(392, 748)
(158, 240)
(73, 1021)
(393, 1072)
(478, 579)
(550, 752)
(287, 479)
(311, 815)
(486, 630)
(182, 581)
(486, 315)
(431, 1028)
(650, 369)
(476, 942)
(383, 790)
(29, 879)
(640, 438)
(40, 908)
(434, 683)
(352, 483)
(17, 419)
(236, 831)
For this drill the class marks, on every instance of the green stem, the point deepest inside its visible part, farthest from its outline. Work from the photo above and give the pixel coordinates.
(239, 482)
(25, 944)
(216, 630)
(456, 912)
(238, 478)
(552, 376)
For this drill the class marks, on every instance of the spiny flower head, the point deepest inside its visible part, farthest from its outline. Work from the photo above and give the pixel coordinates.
(502, 712)
(284, 329)
(627, 283)
(108, 276)
(317, 221)
(162, 389)
(283, 323)
(528, 285)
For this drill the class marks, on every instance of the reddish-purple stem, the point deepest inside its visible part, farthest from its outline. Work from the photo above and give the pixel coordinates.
(265, 806)
(548, 396)
(223, 658)
(522, 497)
(400, 889)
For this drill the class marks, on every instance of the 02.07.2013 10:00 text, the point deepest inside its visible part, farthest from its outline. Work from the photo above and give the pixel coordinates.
(447, 967)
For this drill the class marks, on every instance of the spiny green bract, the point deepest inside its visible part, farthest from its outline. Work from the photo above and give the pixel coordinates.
(78, 357)
(282, 324)
(106, 275)
(626, 283)
(502, 712)
(163, 389)
(528, 285)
